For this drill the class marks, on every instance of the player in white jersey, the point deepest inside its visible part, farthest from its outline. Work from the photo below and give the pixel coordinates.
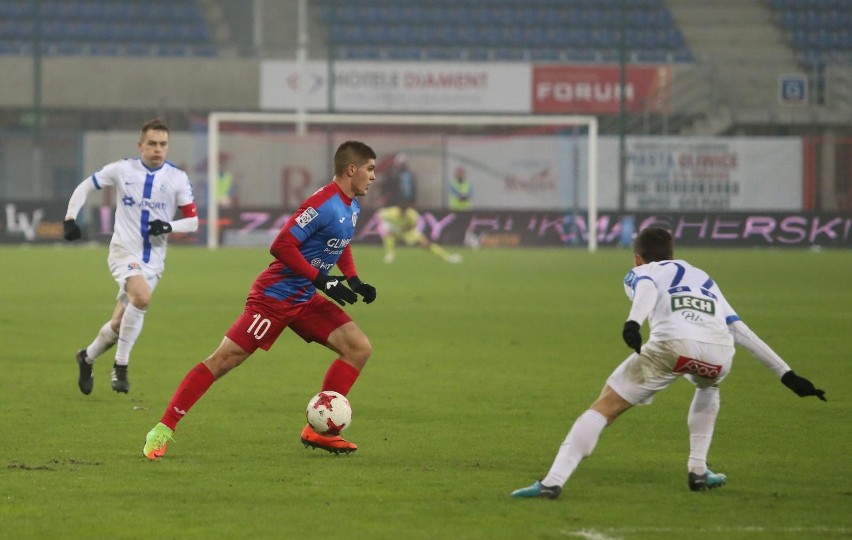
(149, 191)
(693, 330)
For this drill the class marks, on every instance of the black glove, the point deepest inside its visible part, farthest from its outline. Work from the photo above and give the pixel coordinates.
(158, 227)
(631, 335)
(367, 291)
(72, 230)
(334, 288)
(801, 386)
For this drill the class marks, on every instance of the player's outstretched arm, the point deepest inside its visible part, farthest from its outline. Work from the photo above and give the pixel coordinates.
(743, 335)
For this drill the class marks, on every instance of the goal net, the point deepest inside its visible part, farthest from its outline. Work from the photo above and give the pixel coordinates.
(514, 163)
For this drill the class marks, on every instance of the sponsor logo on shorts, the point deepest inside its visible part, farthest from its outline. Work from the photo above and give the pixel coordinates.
(134, 266)
(306, 217)
(704, 305)
(697, 367)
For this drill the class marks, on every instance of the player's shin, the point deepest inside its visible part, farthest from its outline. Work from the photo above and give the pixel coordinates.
(579, 443)
(105, 339)
(340, 377)
(131, 327)
(191, 388)
(702, 421)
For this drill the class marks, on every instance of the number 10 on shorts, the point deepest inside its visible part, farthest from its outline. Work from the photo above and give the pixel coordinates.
(259, 326)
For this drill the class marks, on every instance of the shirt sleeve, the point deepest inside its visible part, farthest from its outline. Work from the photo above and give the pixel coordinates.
(346, 262)
(78, 198)
(644, 300)
(285, 248)
(108, 175)
(184, 194)
(743, 335)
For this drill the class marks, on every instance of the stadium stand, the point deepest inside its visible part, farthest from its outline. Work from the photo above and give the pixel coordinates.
(105, 27)
(531, 30)
(819, 30)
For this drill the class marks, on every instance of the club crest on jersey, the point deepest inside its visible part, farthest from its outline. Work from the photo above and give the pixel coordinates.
(306, 217)
(354, 218)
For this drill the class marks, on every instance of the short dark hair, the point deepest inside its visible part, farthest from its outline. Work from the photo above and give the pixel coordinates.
(155, 124)
(654, 244)
(352, 152)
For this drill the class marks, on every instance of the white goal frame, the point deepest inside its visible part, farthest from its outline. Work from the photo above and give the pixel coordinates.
(302, 120)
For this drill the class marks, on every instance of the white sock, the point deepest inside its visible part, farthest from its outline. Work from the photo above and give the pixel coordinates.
(702, 421)
(105, 339)
(131, 327)
(579, 443)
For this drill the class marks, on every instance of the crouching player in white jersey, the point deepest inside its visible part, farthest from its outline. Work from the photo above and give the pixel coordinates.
(148, 191)
(693, 330)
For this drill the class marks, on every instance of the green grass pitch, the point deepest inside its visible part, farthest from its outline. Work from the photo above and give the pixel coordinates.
(477, 373)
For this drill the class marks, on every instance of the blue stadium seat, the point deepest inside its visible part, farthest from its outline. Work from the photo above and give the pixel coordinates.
(88, 26)
(406, 53)
(69, 48)
(13, 9)
(818, 29)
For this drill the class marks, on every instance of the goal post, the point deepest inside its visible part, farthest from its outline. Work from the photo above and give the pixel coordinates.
(301, 123)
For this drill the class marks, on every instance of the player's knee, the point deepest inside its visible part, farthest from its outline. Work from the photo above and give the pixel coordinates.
(360, 351)
(140, 300)
(221, 362)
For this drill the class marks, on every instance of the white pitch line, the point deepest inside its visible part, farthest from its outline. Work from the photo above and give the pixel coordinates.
(603, 533)
(592, 535)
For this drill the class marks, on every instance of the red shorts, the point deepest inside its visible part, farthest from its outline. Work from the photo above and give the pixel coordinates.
(261, 323)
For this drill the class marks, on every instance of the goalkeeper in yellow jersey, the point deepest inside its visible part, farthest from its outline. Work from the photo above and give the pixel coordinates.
(400, 223)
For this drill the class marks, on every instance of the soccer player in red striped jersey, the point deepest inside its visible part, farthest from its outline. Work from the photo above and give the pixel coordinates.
(315, 239)
(148, 191)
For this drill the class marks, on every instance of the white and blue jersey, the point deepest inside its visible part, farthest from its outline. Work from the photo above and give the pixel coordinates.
(143, 195)
(324, 226)
(685, 303)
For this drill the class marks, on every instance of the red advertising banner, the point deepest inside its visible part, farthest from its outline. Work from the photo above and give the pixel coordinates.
(590, 89)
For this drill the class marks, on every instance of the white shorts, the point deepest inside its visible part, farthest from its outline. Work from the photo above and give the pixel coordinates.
(124, 265)
(641, 376)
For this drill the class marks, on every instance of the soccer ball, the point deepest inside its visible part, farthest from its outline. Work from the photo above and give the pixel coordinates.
(329, 413)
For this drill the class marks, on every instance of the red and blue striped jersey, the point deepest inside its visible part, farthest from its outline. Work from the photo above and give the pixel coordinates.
(315, 236)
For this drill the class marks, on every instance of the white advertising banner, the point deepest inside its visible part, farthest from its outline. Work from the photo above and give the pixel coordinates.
(663, 173)
(513, 172)
(388, 87)
(284, 83)
(533, 172)
(709, 174)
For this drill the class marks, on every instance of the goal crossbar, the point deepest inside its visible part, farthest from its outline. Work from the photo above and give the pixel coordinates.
(302, 120)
